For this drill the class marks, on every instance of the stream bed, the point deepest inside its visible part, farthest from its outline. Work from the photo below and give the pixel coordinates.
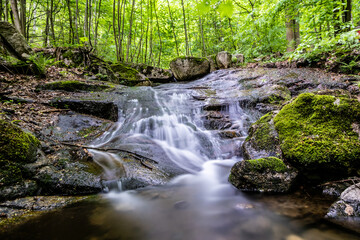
(193, 132)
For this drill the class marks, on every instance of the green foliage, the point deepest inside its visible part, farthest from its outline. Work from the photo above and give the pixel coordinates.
(317, 134)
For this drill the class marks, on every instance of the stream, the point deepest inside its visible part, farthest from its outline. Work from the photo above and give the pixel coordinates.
(194, 200)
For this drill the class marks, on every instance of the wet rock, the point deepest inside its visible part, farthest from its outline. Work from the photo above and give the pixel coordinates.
(263, 140)
(223, 59)
(71, 178)
(14, 41)
(229, 134)
(180, 205)
(346, 211)
(76, 127)
(263, 175)
(101, 109)
(189, 68)
(272, 95)
(335, 188)
(216, 107)
(17, 190)
(214, 120)
(72, 86)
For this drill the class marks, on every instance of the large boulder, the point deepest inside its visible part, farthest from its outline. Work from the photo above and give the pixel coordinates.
(263, 139)
(14, 41)
(189, 68)
(346, 211)
(212, 61)
(263, 175)
(319, 135)
(223, 59)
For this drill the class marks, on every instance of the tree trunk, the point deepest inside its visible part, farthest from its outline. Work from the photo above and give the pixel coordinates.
(15, 13)
(128, 47)
(71, 31)
(159, 33)
(97, 24)
(185, 28)
(23, 17)
(292, 31)
(76, 22)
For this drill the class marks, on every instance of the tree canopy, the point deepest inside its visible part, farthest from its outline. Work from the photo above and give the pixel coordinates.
(156, 31)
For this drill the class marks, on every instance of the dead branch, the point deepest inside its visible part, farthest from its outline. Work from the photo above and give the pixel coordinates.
(137, 156)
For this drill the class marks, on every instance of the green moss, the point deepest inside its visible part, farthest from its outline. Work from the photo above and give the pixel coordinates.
(16, 145)
(261, 133)
(269, 163)
(9, 173)
(127, 75)
(316, 133)
(72, 86)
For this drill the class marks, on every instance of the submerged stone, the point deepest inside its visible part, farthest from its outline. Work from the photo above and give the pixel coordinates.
(263, 175)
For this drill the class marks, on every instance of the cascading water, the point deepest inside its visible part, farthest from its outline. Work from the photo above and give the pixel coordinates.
(198, 203)
(187, 166)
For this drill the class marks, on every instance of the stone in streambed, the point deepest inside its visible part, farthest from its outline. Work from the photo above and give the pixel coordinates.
(263, 175)
(189, 68)
(346, 211)
(223, 59)
(263, 140)
(102, 109)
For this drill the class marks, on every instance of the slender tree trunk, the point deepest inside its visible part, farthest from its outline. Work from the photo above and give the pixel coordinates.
(151, 34)
(202, 37)
(97, 24)
(47, 24)
(128, 47)
(292, 31)
(51, 19)
(232, 35)
(147, 33)
(115, 30)
(86, 19)
(185, 28)
(6, 13)
(159, 33)
(173, 28)
(76, 22)
(71, 31)
(347, 14)
(23, 17)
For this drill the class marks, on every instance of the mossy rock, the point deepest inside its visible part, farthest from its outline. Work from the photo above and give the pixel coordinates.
(263, 140)
(9, 173)
(129, 76)
(319, 135)
(71, 86)
(269, 174)
(17, 145)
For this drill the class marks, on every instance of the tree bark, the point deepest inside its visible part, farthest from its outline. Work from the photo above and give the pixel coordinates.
(173, 28)
(292, 30)
(15, 12)
(128, 47)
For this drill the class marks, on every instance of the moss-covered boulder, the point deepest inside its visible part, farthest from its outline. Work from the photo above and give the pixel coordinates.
(189, 68)
(16, 145)
(16, 149)
(263, 139)
(263, 175)
(319, 135)
(129, 76)
(72, 86)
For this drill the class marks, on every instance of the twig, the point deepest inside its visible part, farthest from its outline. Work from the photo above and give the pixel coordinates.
(341, 181)
(135, 155)
(54, 110)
